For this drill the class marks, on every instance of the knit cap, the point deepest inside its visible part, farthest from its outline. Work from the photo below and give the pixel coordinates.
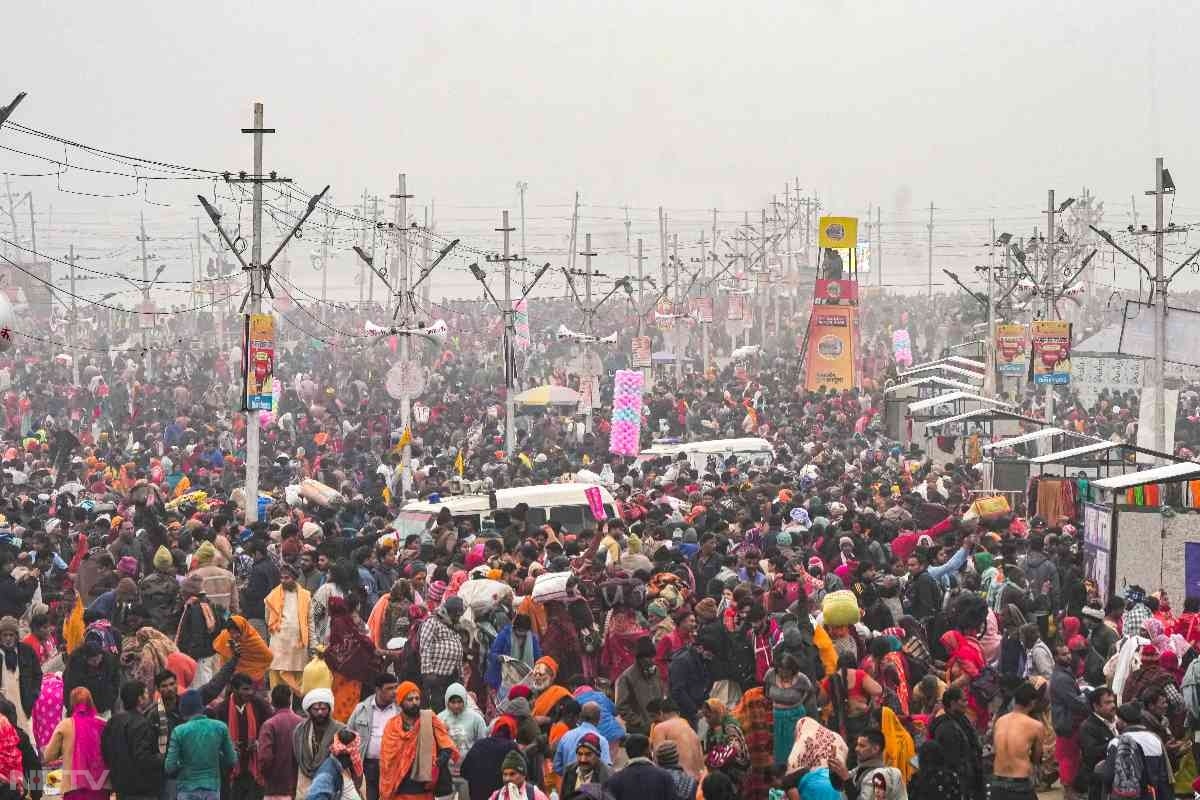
(514, 761)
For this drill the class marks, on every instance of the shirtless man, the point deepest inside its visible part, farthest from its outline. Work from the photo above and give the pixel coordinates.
(1018, 742)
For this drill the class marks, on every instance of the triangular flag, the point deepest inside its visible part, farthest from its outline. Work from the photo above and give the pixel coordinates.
(459, 465)
(405, 440)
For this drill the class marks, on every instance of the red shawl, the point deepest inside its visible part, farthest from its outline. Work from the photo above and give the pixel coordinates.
(351, 653)
(244, 748)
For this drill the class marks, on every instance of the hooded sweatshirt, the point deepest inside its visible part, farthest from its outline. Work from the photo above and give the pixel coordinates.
(465, 728)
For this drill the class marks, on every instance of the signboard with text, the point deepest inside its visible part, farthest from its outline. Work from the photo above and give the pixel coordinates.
(259, 366)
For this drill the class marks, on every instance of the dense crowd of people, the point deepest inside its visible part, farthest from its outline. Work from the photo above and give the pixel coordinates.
(837, 622)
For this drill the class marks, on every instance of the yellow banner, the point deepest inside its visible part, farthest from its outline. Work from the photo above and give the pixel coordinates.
(830, 358)
(838, 233)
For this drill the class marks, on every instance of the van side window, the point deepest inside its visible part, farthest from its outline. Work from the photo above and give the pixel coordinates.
(571, 517)
(535, 518)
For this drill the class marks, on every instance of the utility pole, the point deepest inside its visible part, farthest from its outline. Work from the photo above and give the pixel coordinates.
(1047, 289)
(748, 324)
(260, 274)
(33, 248)
(147, 354)
(587, 254)
(989, 347)
(930, 228)
(574, 243)
(325, 235)
(256, 292)
(522, 186)
(628, 251)
(703, 266)
(427, 287)
(878, 254)
(399, 277)
(641, 281)
(12, 218)
(362, 243)
(374, 240)
(197, 272)
(73, 334)
(1160, 318)
(763, 284)
(677, 328)
(662, 243)
(510, 361)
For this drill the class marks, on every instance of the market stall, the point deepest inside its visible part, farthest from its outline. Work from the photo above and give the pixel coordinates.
(1146, 528)
(899, 395)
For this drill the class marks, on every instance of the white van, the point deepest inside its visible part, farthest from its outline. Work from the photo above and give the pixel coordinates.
(748, 451)
(565, 503)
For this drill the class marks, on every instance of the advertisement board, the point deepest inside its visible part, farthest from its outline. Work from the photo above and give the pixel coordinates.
(1051, 339)
(836, 292)
(837, 233)
(830, 358)
(259, 366)
(1012, 348)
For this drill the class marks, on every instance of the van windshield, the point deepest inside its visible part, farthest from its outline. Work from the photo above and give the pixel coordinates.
(410, 522)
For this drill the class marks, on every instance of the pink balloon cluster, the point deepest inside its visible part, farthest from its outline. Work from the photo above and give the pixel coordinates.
(627, 413)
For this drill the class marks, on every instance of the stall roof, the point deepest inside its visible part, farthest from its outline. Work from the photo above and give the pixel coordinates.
(1170, 472)
(966, 387)
(1075, 452)
(952, 397)
(939, 367)
(968, 362)
(1028, 437)
(982, 414)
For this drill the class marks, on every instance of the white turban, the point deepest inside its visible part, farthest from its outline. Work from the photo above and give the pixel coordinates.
(317, 696)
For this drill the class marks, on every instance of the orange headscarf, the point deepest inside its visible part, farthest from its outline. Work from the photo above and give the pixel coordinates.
(547, 700)
(256, 657)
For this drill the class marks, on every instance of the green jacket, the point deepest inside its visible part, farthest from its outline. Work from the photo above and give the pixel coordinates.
(200, 751)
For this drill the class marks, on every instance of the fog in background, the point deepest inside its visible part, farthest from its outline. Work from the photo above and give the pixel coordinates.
(977, 108)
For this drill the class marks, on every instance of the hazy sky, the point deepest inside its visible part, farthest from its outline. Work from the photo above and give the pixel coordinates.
(978, 108)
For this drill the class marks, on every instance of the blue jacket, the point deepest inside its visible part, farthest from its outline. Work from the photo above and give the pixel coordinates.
(610, 727)
(327, 783)
(501, 646)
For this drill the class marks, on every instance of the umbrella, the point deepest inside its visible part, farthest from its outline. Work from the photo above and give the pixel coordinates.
(547, 396)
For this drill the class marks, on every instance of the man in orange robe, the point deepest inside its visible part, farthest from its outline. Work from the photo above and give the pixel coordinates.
(415, 752)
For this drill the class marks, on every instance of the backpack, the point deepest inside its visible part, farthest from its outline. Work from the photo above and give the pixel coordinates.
(986, 685)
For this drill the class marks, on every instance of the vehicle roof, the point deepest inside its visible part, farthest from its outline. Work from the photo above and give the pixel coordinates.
(457, 503)
(552, 492)
(712, 446)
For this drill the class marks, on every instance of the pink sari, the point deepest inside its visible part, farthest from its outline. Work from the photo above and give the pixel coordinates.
(87, 757)
(48, 710)
(965, 657)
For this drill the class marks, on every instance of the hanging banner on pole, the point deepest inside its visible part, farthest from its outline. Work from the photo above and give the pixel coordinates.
(521, 323)
(258, 368)
(736, 308)
(702, 309)
(830, 358)
(642, 355)
(1051, 351)
(1011, 349)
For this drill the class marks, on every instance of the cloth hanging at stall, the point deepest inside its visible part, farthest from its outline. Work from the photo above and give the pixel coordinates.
(1056, 499)
(1149, 495)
